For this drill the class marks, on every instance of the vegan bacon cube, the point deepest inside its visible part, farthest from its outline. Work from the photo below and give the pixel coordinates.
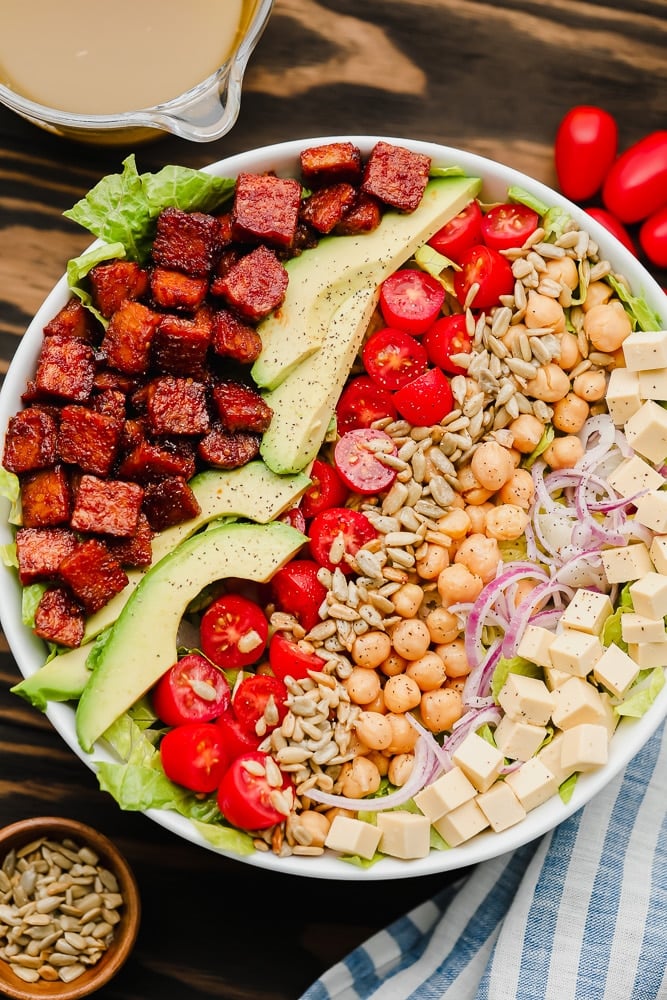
(325, 209)
(88, 439)
(364, 216)
(396, 176)
(111, 402)
(136, 551)
(93, 574)
(73, 320)
(148, 459)
(174, 290)
(169, 501)
(265, 209)
(186, 241)
(65, 368)
(233, 338)
(181, 343)
(30, 442)
(241, 408)
(40, 551)
(177, 406)
(330, 163)
(107, 506)
(59, 618)
(228, 449)
(116, 282)
(256, 284)
(45, 498)
(128, 338)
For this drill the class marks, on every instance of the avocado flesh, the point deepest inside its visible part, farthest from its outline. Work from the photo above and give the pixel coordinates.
(61, 679)
(322, 279)
(142, 644)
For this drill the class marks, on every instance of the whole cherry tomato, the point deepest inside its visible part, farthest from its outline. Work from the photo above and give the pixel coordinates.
(410, 300)
(327, 490)
(427, 400)
(585, 148)
(359, 466)
(287, 659)
(614, 226)
(193, 690)
(296, 517)
(508, 225)
(636, 185)
(192, 755)
(251, 698)
(245, 796)
(339, 522)
(653, 237)
(448, 335)
(234, 631)
(362, 402)
(482, 266)
(296, 590)
(393, 357)
(460, 233)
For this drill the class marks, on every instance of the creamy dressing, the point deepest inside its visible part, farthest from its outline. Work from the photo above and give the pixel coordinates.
(102, 57)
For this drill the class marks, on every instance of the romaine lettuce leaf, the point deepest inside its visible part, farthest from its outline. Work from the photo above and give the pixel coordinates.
(643, 695)
(78, 268)
(10, 489)
(641, 314)
(512, 665)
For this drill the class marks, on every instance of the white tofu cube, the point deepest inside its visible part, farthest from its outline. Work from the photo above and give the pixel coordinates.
(532, 783)
(575, 702)
(587, 612)
(526, 699)
(403, 834)
(575, 652)
(638, 628)
(623, 399)
(651, 511)
(658, 553)
(611, 717)
(462, 823)
(353, 836)
(554, 678)
(628, 562)
(501, 807)
(633, 475)
(649, 595)
(550, 757)
(615, 670)
(646, 431)
(653, 384)
(585, 747)
(447, 792)
(645, 350)
(518, 740)
(534, 645)
(648, 654)
(479, 760)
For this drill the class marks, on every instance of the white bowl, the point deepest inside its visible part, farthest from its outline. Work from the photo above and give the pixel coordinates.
(631, 735)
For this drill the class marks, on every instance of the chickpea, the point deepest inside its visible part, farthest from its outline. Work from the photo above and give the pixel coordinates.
(564, 452)
(477, 514)
(521, 590)
(543, 311)
(471, 489)
(338, 811)
(404, 734)
(432, 564)
(374, 730)
(550, 383)
(407, 600)
(458, 585)
(410, 638)
(316, 824)
(480, 554)
(442, 625)
(400, 768)
(511, 336)
(428, 671)
(455, 523)
(456, 684)
(401, 693)
(371, 648)
(394, 664)
(520, 490)
(380, 760)
(590, 386)
(526, 432)
(570, 355)
(454, 658)
(358, 778)
(570, 413)
(507, 522)
(492, 465)
(441, 709)
(607, 326)
(363, 685)
(597, 293)
(564, 271)
(377, 704)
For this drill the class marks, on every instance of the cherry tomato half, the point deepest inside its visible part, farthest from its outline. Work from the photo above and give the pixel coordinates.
(653, 237)
(448, 335)
(251, 698)
(192, 755)
(393, 357)
(613, 226)
(410, 300)
(362, 402)
(427, 400)
(585, 148)
(234, 632)
(353, 526)
(287, 659)
(487, 268)
(244, 797)
(296, 517)
(460, 233)
(296, 590)
(636, 185)
(235, 741)
(359, 466)
(327, 490)
(508, 225)
(193, 690)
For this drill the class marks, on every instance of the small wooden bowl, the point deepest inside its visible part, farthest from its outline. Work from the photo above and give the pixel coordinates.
(57, 829)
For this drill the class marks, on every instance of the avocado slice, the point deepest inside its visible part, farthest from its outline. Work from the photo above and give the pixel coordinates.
(142, 644)
(322, 279)
(62, 678)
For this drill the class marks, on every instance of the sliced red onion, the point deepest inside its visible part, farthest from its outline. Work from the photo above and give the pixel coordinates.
(478, 680)
(470, 723)
(477, 618)
(444, 760)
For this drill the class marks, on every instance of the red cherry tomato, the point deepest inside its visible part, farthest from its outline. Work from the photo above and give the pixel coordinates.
(352, 525)
(410, 300)
(234, 632)
(393, 357)
(653, 237)
(296, 517)
(585, 148)
(636, 185)
(287, 659)
(193, 690)
(614, 226)
(235, 741)
(244, 798)
(362, 403)
(460, 233)
(296, 590)
(360, 467)
(427, 400)
(448, 335)
(192, 755)
(328, 489)
(251, 698)
(487, 268)
(508, 225)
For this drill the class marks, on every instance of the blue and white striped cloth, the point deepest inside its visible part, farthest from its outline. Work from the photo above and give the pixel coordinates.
(579, 915)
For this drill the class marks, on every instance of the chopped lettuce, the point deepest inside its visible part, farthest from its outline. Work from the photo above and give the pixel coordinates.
(611, 631)
(10, 489)
(548, 435)
(452, 171)
(30, 598)
(8, 555)
(512, 665)
(566, 789)
(523, 197)
(78, 268)
(437, 265)
(638, 309)
(642, 694)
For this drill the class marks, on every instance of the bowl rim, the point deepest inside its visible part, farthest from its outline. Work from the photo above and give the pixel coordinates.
(497, 177)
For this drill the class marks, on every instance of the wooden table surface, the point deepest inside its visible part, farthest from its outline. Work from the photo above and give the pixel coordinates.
(493, 79)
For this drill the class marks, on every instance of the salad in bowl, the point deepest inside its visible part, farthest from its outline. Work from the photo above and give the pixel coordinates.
(335, 531)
